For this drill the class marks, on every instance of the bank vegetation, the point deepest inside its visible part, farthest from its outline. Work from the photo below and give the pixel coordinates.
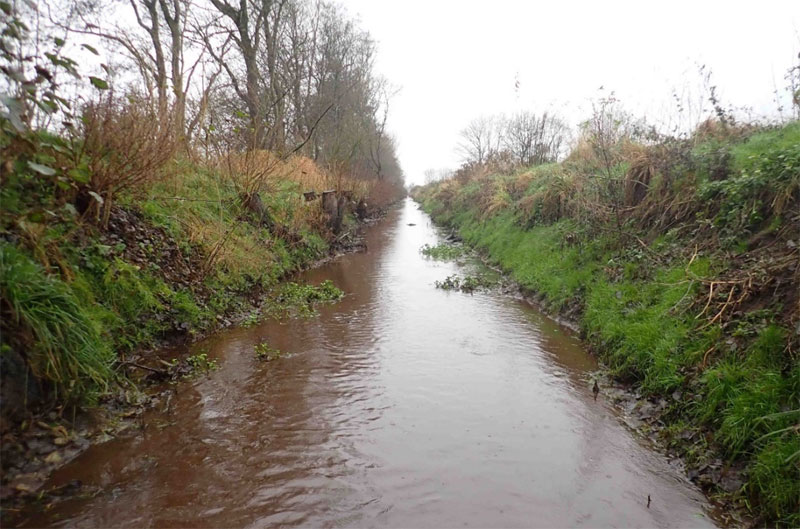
(678, 255)
(163, 163)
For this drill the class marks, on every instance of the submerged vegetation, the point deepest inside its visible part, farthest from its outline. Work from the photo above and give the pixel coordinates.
(679, 258)
(293, 299)
(200, 362)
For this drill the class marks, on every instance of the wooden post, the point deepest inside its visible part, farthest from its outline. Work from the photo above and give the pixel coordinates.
(330, 205)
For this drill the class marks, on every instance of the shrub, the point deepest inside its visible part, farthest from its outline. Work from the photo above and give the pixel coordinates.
(123, 144)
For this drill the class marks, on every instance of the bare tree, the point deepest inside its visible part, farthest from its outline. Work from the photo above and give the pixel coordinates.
(243, 29)
(163, 26)
(533, 139)
(481, 139)
(289, 76)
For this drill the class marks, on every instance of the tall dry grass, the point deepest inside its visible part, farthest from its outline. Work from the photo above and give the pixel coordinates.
(262, 171)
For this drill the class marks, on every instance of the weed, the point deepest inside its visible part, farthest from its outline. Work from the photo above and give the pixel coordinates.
(124, 143)
(252, 319)
(764, 182)
(467, 284)
(202, 363)
(443, 252)
(452, 282)
(267, 353)
(301, 299)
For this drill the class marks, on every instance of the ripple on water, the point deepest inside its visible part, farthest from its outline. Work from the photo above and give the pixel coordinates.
(403, 405)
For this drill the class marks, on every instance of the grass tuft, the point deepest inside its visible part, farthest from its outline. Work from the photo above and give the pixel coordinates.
(62, 342)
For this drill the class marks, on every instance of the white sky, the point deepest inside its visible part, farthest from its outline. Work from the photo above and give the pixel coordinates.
(454, 60)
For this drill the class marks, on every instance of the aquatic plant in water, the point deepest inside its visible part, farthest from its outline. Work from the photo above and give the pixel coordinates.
(267, 353)
(443, 252)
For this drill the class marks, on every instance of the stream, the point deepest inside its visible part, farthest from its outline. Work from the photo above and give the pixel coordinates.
(402, 405)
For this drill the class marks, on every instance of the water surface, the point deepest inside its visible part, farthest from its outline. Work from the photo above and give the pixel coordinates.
(400, 406)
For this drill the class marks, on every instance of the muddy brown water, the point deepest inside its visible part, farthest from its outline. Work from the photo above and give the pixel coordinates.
(400, 406)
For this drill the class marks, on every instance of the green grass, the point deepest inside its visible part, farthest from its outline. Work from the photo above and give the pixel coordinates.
(775, 479)
(62, 341)
(764, 179)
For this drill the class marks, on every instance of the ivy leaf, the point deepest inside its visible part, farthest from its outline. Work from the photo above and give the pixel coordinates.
(59, 42)
(41, 169)
(90, 48)
(98, 83)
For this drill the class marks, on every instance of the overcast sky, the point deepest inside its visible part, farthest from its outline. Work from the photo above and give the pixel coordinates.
(455, 60)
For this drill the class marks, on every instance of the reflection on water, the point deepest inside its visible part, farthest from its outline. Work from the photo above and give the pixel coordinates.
(402, 405)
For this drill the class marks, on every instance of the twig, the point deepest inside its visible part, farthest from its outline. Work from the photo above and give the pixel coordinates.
(705, 355)
(146, 368)
(725, 306)
(184, 199)
(169, 403)
(710, 295)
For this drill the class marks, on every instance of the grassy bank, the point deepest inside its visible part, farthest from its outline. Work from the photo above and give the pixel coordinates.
(679, 259)
(88, 285)
(144, 207)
